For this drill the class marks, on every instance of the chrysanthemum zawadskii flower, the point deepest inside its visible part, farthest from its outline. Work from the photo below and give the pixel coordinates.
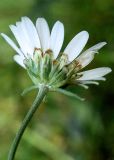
(39, 52)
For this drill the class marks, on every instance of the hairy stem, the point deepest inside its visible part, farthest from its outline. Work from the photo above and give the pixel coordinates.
(41, 94)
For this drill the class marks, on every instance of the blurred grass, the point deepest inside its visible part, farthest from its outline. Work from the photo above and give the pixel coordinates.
(82, 130)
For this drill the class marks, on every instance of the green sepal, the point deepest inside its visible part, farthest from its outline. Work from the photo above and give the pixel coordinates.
(54, 70)
(34, 78)
(46, 67)
(68, 93)
(27, 90)
(58, 78)
(59, 84)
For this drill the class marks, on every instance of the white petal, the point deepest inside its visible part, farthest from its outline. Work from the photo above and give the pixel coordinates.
(100, 79)
(95, 74)
(57, 37)
(86, 57)
(97, 46)
(27, 43)
(20, 38)
(89, 82)
(76, 45)
(19, 60)
(83, 85)
(44, 33)
(26, 35)
(31, 31)
(11, 43)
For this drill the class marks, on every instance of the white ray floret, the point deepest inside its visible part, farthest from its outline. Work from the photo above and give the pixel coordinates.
(44, 33)
(84, 84)
(76, 45)
(94, 74)
(87, 56)
(57, 38)
(96, 47)
(11, 43)
(31, 31)
(19, 36)
(19, 59)
(90, 82)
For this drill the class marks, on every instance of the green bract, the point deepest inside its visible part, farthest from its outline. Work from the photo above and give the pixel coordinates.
(43, 69)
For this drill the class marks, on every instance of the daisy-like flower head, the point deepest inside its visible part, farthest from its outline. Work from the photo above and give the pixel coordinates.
(39, 53)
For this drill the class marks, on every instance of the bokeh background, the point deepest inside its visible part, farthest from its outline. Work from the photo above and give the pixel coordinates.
(64, 128)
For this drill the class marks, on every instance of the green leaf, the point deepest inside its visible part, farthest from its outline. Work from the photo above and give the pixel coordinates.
(68, 93)
(29, 89)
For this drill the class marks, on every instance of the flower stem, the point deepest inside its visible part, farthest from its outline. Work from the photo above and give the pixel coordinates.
(41, 94)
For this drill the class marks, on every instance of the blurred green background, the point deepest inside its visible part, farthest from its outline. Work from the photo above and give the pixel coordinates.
(64, 128)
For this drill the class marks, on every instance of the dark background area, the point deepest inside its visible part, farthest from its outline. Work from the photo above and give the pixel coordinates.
(64, 128)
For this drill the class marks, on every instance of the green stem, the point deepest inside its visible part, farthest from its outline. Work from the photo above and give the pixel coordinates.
(41, 94)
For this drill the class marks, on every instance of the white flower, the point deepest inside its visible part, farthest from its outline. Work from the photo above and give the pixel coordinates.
(30, 37)
(38, 40)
